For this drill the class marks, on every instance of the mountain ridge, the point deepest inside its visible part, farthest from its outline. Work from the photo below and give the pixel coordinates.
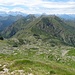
(48, 24)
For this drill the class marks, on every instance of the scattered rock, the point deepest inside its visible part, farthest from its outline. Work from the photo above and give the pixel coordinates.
(0, 65)
(6, 70)
(4, 66)
(30, 74)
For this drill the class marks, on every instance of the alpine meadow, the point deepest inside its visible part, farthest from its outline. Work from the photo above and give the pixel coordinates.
(37, 37)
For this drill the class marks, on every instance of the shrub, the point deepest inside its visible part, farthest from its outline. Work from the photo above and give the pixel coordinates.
(52, 72)
(1, 38)
(1, 69)
(15, 44)
(21, 41)
(52, 45)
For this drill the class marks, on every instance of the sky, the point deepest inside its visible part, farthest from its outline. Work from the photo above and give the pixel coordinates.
(38, 6)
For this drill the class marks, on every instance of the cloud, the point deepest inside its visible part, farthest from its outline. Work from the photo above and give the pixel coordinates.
(39, 6)
(3, 9)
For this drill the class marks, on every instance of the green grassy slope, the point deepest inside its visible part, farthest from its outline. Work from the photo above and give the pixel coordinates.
(17, 26)
(49, 27)
(38, 46)
(45, 27)
(36, 59)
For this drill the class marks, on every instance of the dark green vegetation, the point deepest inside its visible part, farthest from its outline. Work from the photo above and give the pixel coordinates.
(1, 38)
(38, 46)
(71, 52)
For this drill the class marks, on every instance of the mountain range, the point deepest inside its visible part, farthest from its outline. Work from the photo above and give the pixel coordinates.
(37, 45)
(67, 16)
(6, 21)
(43, 27)
(12, 13)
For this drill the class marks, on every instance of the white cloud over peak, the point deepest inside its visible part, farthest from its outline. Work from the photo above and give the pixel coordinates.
(39, 6)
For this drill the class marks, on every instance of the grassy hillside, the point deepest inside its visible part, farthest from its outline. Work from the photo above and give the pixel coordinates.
(17, 26)
(70, 22)
(48, 27)
(39, 58)
(38, 46)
